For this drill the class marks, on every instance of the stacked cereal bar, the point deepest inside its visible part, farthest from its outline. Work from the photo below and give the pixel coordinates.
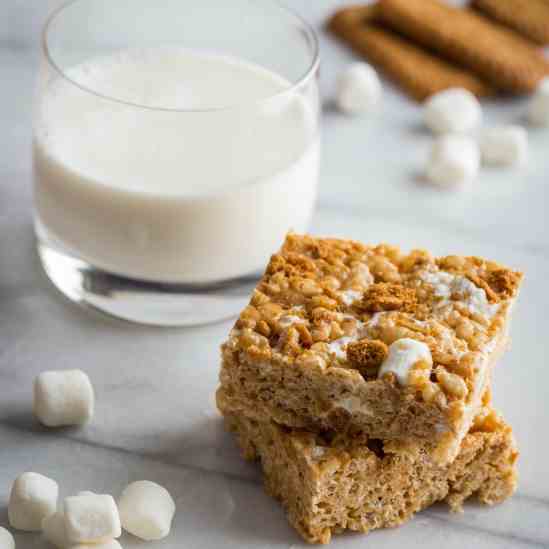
(331, 482)
(364, 360)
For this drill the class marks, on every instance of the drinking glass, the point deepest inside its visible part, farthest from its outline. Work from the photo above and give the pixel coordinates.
(175, 144)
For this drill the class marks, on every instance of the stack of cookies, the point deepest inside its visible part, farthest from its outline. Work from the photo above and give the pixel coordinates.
(427, 46)
(359, 376)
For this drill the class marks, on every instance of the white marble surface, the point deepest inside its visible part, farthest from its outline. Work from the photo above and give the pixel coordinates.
(155, 414)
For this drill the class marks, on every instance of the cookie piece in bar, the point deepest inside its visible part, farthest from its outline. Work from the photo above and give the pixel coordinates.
(495, 53)
(302, 352)
(529, 17)
(329, 483)
(417, 71)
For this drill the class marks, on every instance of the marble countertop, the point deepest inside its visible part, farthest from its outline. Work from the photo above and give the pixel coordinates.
(156, 417)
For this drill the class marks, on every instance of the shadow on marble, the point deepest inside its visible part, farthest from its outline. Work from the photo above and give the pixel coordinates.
(329, 106)
(417, 128)
(25, 421)
(206, 445)
(4, 514)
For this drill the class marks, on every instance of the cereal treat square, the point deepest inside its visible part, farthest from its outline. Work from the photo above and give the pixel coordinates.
(341, 335)
(329, 483)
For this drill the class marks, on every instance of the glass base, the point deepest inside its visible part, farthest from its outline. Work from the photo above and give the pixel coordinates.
(156, 304)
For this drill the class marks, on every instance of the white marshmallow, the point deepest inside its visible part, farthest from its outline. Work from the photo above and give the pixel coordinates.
(358, 89)
(91, 518)
(63, 397)
(454, 161)
(53, 528)
(110, 544)
(32, 498)
(538, 110)
(403, 355)
(455, 110)
(6, 539)
(504, 145)
(146, 510)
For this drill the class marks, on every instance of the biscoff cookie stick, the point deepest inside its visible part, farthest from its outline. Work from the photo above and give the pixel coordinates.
(529, 17)
(418, 72)
(497, 54)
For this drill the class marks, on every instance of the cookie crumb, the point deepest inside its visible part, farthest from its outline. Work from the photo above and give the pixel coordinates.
(504, 282)
(386, 296)
(367, 355)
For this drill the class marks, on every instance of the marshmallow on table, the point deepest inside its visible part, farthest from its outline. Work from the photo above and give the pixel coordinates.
(53, 529)
(6, 539)
(538, 111)
(358, 89)
(403, 355)
(63, 397)
(33, 497)
(454, 161)
(146, 510)
(53, 526)
(504, 145)
(455, 110)
(91, 518)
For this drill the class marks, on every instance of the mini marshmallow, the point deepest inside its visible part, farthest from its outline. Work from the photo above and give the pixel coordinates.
(538, 110)
(6, 539)
(454, 160)
(53, 529)
(146, 510)
(33, 497)
(110, 544)
(403, 355)
(455, 110)
(53, 526)
(504, 145)
(358, 89)
(63, 397)
(91, 518)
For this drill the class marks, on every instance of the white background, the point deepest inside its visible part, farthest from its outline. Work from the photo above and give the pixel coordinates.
(155, 414)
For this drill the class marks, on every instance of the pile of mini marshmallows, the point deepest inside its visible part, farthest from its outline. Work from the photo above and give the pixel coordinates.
(455, 156)
(86, 520)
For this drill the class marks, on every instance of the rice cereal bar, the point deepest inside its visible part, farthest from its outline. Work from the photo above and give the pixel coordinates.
(340, 335)
(331, 483)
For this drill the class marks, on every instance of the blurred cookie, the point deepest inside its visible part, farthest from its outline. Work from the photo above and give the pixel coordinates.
(495, 53)
(417, 71)
(529, 17)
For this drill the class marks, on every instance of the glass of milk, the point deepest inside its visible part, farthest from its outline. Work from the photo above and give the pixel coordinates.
(176, 142)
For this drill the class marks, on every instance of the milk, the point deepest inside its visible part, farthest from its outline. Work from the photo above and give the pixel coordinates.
(194, 174)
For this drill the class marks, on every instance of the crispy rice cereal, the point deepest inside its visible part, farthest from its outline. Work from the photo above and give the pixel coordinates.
(307, 350)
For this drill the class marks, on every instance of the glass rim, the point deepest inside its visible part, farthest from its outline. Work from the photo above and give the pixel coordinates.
(295, 84)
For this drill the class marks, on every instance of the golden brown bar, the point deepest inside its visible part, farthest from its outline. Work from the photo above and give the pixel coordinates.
(309, 349)
(329, 483)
